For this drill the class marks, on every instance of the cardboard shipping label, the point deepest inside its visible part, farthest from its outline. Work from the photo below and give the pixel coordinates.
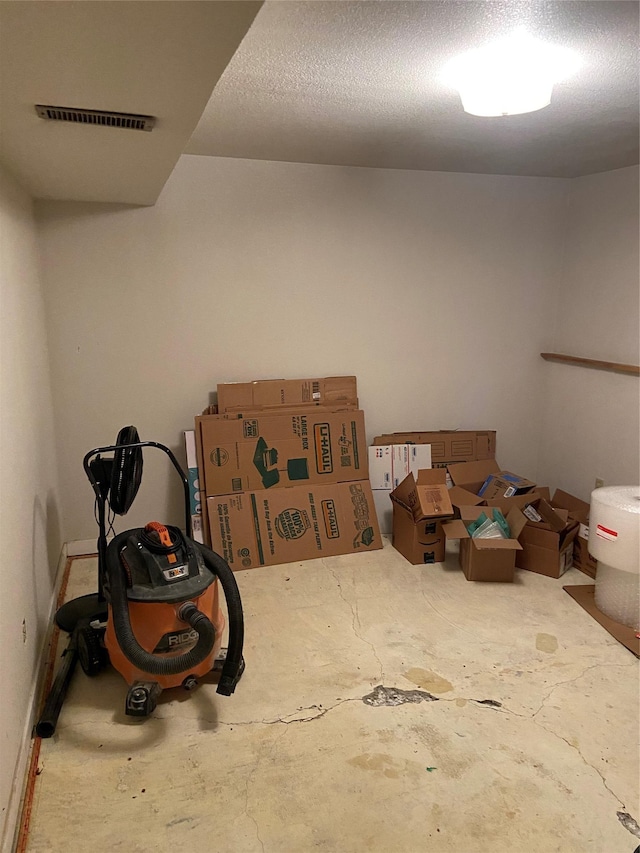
(265, 528)
(282, 450)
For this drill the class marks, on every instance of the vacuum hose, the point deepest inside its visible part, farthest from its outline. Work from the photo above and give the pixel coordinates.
(234, 663)
(132, 650)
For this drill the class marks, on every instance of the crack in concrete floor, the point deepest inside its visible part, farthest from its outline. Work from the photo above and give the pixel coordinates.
(355, 617)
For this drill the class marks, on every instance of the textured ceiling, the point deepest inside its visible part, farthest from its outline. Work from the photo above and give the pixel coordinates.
(357, 83)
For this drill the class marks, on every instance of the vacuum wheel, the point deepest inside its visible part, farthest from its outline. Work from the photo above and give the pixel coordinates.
(91, 654)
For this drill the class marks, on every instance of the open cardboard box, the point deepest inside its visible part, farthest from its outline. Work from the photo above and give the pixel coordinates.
(504, 484)
(420, 502)
(547, 545)
(419, 542)
(468, 478)
(486, 559)
(578, 511)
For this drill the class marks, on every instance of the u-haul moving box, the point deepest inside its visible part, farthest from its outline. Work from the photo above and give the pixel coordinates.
(267, 527)
(263, 451)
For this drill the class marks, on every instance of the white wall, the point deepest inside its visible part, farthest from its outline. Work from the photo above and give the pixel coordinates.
(435, 289)
(592, 418)
(29, 497)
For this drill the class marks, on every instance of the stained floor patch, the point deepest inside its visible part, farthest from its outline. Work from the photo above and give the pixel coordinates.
(427, 680)
(546, 643)
(381, 695)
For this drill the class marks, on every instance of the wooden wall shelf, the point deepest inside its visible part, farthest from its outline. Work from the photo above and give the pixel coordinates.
(613, 366)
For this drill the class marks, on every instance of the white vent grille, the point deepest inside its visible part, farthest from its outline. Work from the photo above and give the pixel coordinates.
(127, 121)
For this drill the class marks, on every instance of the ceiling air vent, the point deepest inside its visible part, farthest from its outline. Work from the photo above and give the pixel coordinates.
(96, 117)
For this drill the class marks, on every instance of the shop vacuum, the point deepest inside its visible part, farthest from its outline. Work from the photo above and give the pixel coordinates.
(156, 616)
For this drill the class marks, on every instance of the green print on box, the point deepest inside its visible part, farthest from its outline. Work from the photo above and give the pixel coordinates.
(292, 523)
(265, 459)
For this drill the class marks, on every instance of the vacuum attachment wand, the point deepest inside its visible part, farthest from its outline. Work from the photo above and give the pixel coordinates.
(46, 725)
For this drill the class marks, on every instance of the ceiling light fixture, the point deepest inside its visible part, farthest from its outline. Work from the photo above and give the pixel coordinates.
(513, 75)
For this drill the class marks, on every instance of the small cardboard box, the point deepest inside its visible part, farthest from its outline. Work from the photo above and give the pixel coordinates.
(468, 479)
(448, 446)
(281, 449)
(504, 484)
(424, 495)
(420, 502)
(487, 559)
(418, 541)
(547, 545)
(268, 527)
(578, 511)
(272, 393)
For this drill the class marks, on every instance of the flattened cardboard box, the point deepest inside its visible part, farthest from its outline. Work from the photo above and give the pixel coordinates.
(389, 464)
(585, 596)
(448, 446)
(381, 467)
(206, 535)
(195, 492)
(270, 393)
(487, 559)
(384, 510)
(279, 450)
(265, 528)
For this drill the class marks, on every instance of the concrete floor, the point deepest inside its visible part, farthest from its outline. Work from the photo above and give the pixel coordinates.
(530, 745)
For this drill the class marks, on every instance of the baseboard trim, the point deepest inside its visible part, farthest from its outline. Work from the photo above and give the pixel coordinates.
(81, 547)
(15, 818)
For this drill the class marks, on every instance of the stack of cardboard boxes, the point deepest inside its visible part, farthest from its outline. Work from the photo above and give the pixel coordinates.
(420, 502)
(389, 464)
(284, 471)
(279, 471)
(545, 532)
(396, 454)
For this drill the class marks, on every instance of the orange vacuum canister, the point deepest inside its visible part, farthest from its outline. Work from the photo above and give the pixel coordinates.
(165, 625)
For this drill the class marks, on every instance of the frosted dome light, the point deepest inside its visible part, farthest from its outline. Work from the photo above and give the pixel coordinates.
(513, 75)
